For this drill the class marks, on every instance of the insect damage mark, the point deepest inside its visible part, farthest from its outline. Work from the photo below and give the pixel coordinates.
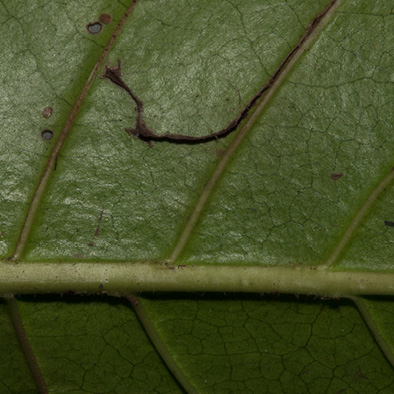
(105, 18)
(144, 133)
(58, 145)
(47, 112)
(98, 224)
(335, 176)
(94, 28)
(96, 233)
(47, 134)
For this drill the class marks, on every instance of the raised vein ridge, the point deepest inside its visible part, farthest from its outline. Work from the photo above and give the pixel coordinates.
(360, 215)
(50, 165)
(259, 102)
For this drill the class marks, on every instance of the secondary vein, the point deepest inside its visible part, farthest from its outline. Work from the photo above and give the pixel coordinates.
(50, 165)
(260, 101)
(158, 344)
(144, 133)
(25, 345)
(358, 218)
(371, 323)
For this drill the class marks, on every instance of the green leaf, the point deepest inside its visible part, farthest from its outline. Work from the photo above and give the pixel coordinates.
(296, 200)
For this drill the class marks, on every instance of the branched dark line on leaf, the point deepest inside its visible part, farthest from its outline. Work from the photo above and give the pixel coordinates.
(144, 133)
(25, 345)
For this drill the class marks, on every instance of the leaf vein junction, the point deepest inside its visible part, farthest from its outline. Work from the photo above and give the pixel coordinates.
(52, 160)
(259, 102)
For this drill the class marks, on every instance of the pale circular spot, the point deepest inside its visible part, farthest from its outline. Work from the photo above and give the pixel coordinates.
(47, 134)
(94, 28)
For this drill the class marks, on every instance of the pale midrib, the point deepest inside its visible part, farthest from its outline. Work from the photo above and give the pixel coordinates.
(117, 278)
(50, 165)
(272, 86)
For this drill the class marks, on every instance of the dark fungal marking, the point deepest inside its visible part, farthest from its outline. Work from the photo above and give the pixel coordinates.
(336, 176)
(389, 223)
(94, 28)
(105, 18)
(46, 134)
(98, 224)
(47, 112)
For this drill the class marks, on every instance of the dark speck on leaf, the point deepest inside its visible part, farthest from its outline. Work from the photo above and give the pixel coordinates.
(388, 223)
(105, 18)
(47, 112)
(47, 134)
(94, 27)
(336, 176)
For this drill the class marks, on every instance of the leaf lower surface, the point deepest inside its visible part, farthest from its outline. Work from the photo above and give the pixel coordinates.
(287, 196)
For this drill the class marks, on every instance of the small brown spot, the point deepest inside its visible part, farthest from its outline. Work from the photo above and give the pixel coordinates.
(220, 152)
(337, 175)
(90, 244)
(98, 224)
(47, 134)
(133, 300)
(47, 112)
(359, 374)
(101, 285)
(105, 18)
(94, 28)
